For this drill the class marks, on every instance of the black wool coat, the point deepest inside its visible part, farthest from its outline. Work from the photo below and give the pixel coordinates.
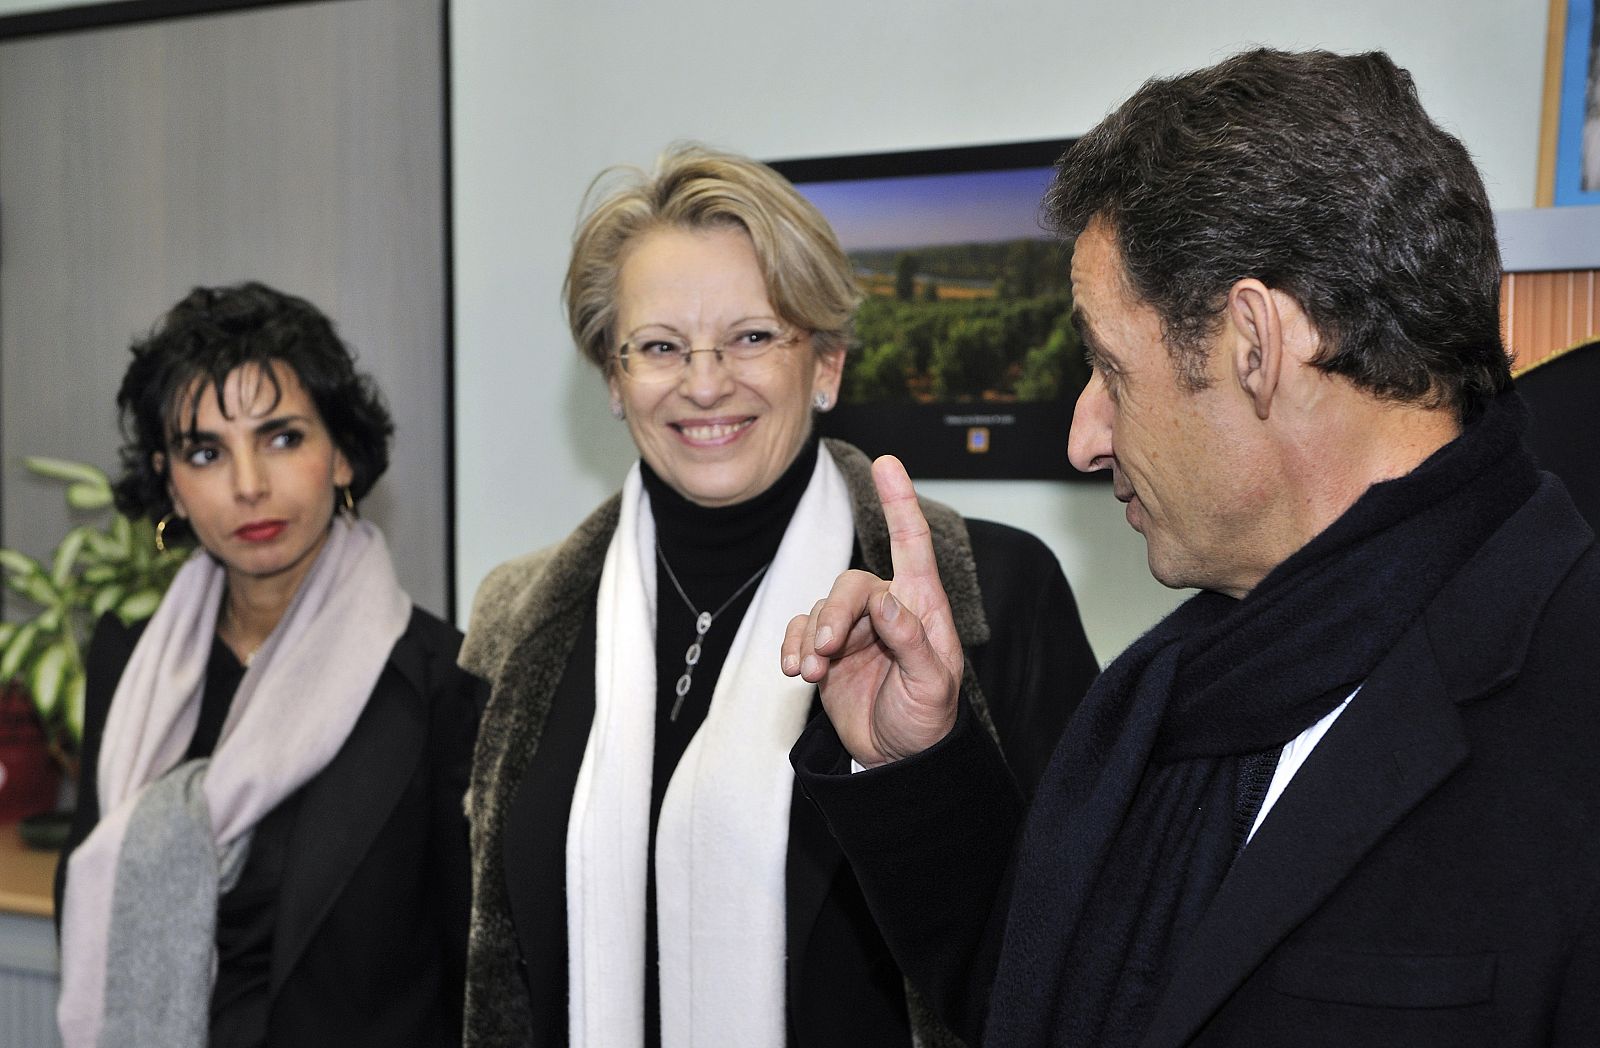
(1430, 877)
(369, 937)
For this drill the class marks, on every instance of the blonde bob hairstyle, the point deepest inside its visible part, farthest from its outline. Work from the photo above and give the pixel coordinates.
(809, 279)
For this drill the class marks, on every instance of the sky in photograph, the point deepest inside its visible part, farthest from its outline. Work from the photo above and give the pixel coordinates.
(928, 210)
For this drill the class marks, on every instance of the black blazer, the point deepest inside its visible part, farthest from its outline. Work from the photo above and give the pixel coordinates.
(369, 942)
(1430, 877)
(844, 986)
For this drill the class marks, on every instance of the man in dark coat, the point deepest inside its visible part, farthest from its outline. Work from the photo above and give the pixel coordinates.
(1349, 793)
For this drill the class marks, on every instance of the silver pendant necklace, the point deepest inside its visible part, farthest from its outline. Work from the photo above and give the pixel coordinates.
(702, 623)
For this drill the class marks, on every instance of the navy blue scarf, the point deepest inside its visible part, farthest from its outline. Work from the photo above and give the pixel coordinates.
(1132, 829)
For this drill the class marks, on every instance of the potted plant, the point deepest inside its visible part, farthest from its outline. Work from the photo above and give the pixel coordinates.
(96, 569)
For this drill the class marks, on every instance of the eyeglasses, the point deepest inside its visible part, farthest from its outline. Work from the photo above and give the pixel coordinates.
(658, 354)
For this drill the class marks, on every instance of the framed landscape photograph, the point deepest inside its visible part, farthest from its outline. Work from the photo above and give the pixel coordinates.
(1569, 140)
(965, 362)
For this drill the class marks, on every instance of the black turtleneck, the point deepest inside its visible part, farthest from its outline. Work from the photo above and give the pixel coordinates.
(713, 551)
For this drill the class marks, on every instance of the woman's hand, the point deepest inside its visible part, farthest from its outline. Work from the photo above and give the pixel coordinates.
(884, 655)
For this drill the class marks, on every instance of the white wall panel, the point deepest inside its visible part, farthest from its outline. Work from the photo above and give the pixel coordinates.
(545, 94)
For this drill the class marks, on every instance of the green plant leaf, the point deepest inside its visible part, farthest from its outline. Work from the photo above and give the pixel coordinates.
(17, 651)
(88, 496)
(36, 588)
(122, 534)
(19, 563)
(93, 571)
(72, 472)
(72, 716)
(101, 545)
(105, 600)
(66, 558)
(49, 676)
(139, 605)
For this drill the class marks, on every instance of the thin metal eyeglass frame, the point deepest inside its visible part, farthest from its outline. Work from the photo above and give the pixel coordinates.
(790, 338)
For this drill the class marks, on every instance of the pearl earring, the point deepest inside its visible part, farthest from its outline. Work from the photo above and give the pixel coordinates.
(617, 412)
(821, 401)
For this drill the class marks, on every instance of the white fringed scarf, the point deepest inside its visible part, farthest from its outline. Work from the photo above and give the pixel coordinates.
(722, 838)
(138, 947)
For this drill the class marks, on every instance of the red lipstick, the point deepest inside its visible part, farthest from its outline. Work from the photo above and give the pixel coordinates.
(260, 530)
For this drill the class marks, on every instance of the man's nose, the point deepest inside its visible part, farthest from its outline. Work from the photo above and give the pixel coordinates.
(1089, 443)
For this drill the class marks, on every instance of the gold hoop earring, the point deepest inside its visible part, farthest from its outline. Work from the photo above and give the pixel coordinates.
(161, 533)
(349, 502)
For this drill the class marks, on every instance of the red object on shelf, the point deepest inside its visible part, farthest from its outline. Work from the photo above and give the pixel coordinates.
(30, 779)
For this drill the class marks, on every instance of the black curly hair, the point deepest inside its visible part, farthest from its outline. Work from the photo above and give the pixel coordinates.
(1321, 175)
(205, 338)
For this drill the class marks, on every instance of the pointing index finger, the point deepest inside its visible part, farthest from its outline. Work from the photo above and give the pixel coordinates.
(910, 544)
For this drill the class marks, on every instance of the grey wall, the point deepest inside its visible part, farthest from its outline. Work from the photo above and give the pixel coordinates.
(300, 145)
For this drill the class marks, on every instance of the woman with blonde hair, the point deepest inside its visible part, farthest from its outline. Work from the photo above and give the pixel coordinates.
(643, 872)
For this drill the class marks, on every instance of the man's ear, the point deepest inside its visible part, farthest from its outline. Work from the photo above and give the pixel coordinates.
(1257, 346)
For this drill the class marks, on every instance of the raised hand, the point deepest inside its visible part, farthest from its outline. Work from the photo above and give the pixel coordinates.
(884, 655)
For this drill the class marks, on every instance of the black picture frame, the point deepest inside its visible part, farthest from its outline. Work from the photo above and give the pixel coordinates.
(972, 210)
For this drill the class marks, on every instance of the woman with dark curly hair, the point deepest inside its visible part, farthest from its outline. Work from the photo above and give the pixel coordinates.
(269, 847)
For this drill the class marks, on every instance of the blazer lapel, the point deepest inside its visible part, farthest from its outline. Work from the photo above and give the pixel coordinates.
(813, 863)
(1398, 739)
(342, 811)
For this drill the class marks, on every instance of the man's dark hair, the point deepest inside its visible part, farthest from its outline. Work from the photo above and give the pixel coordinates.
(206, 337)
(1321, 176)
